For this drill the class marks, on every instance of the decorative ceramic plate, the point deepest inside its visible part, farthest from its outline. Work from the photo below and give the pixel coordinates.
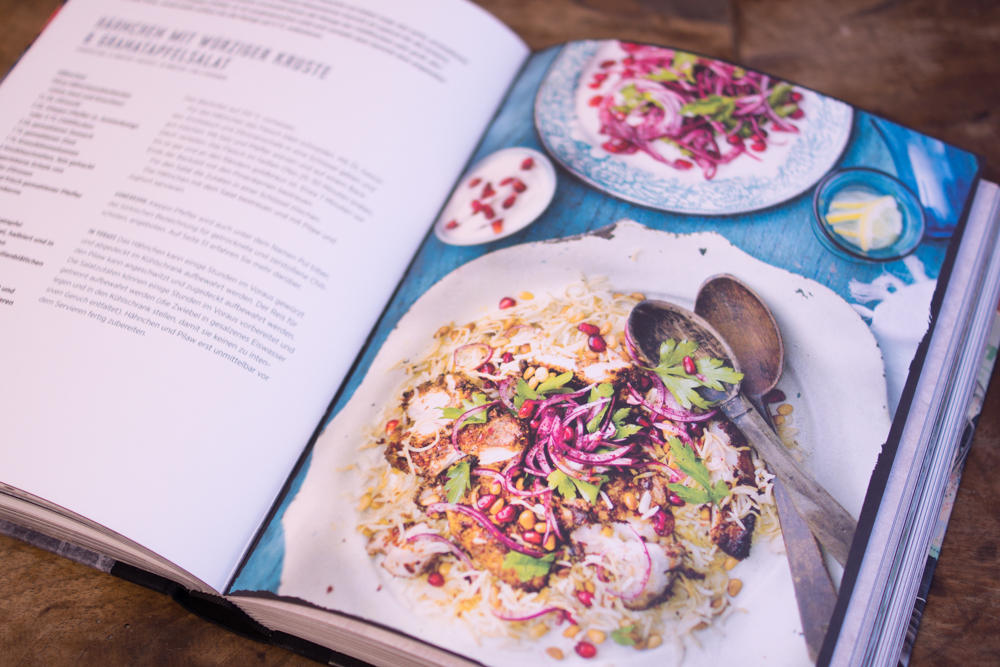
(792, 162)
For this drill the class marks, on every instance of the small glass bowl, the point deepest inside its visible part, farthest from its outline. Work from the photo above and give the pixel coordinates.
(878, 183)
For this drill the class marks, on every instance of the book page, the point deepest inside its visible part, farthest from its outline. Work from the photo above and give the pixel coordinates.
(204, 207)
(531, 459)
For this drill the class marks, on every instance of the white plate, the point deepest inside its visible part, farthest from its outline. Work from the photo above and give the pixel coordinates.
(570, 130)
(831, 360)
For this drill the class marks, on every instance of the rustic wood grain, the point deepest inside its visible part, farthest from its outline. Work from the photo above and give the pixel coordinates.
(930, 64)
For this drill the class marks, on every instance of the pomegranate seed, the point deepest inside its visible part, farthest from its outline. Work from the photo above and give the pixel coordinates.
(628, 73)
(489, 384)
(588, 329)
(487, 368)
(734, 139)
(629, 61)
(645, 383)
(391, 425)
(689, 366)
(535, 423)
(595, 101)
(794, 96)
(568, 434)
(488, 212)
(759, 146)
(600, 76)
(329, 589)
(663, 523)
(594, 85)
(531, 537)
(761, 134)
(476, 206)
(608, 63)
(497, 226)
(527, 409)
(518, 186)
(507, 181)
(798, 113)
(474, 182)
(644, 421)
(774, 396)
(506, 514)
(485, 502)
(507, 357)
(683, 165)
(435, 579)
(507, 302)
(675, 500)
(585, 650)
(528, 163)
(488, 191)
(597, 344)
(509, 201)
(585, 597)
(452, 224)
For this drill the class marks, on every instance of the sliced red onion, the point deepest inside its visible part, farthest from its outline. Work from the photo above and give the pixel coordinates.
(488, 525)
(551, 518)
(672, 415)
(472, 356)
(507, 485)
(674, 475)
(504, 389)
(548, 610)
(461, 555)
(605, 459)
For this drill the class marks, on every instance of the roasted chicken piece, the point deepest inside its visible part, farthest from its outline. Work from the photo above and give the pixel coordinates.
(486, 552)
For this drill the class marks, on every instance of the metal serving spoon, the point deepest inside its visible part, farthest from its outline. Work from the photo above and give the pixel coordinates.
(652, 322)
(749, 328)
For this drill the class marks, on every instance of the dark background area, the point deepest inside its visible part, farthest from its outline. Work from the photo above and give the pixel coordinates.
(930, 64)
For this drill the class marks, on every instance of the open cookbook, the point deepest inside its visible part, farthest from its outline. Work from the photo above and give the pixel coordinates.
(363, 330)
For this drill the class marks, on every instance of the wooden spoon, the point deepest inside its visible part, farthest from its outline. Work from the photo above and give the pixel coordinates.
(652, 322)
(749, 328)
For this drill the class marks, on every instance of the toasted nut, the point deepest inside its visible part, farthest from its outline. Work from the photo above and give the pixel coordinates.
(367, 532)
(538, 630)
(542, 373)
(497, 506)
(730, 563)
(638, 296)
(529, 371)
(443, 331)
(564, 310)
(527, 519)
(525, 349)
(576, 318)
(606, 328)
(717, 603)
(611, 341)
(571, 631)
(654, 641)
(525, 296)
(519, 484)
(498, 341)
(734, 587)
(444, 568)
(625, 355)
(630, 500)
(508, 323)
(607, 531)
(540, 527)
(496, 488)
(590, 354)
(700, 626)
(534, 382)
(430, 500)
(778, 420)
(595, 636)
(590, 587)
(706, 514)
(366, 502)
(377, 505)
(550, 543)
(552, 651)
(785, 409)
(639, 645)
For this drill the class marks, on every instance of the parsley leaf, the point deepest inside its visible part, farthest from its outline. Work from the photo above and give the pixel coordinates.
(553, 384)
(683, 386)
(623, 430)
(523, 393)
(477, 401)
(458, 481)
(602, 390)
(569, 486)
(625, 636)
(693, 467)
(527, 568)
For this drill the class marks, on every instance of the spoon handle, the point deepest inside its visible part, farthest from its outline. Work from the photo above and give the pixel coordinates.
(829, 522)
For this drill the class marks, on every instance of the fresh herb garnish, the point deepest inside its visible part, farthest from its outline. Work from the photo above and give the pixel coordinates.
(458, 481)
(627, 636)
(527, 568)
(693, 467)
(553, 384)
(569, 486)
(683, 386)
(623, 430)
(478, 400)
(602, 390)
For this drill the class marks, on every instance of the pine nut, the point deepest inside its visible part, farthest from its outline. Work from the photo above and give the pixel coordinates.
(533, 382)
(654, 641)
(538, 630)
(553, 652)
(638, 296)
(497, 506)
(730, 563)
(430, 500)
(540, 527)
(366, 502)
(529, 371)
(526, 296)
(785, 409)
(527, 520)
(542, 374)
(778, 420)
(606, 328)
(734, 587)
(630, 500)
(496, 488)
(611, 341)
(525, 349)
(589, 585)
(596, 636)
(576, 318)
(571, 631)
(550, 543)
(607, 531)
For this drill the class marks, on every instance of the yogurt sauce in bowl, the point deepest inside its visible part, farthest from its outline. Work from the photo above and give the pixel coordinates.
(504, 193)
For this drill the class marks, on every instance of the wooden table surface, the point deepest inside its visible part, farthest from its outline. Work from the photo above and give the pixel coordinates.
(929, 64)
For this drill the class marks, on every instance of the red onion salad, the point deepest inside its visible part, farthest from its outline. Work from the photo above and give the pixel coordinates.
(699, 105)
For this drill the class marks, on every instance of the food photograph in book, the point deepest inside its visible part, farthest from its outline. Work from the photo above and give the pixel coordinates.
(637, 379)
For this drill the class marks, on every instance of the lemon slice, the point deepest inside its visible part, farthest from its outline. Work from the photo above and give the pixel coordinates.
(871, 223)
